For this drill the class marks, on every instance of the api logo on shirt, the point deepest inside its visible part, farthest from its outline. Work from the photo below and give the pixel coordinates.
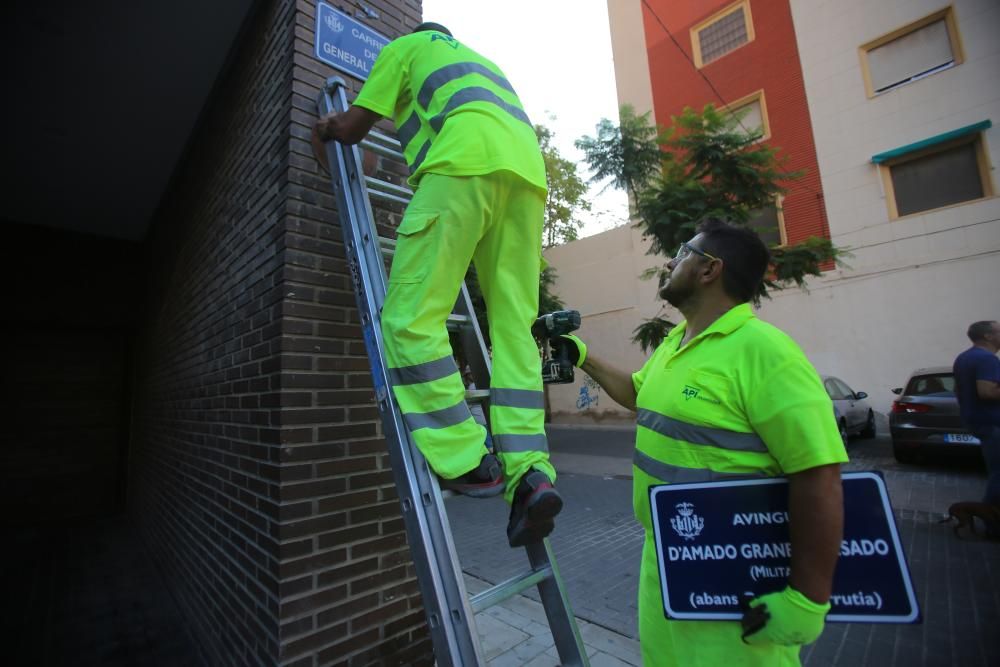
(690, 392)
(452, 42)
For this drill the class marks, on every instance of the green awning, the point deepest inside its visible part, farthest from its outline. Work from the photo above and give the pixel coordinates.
(879, 158)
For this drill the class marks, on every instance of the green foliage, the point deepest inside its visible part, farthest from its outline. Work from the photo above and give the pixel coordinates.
(628, 153)
(565, 198)
(547, 301)
(651, 333)
(707, 164)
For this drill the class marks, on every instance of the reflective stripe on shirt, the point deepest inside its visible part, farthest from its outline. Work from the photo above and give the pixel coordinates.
(700, 435)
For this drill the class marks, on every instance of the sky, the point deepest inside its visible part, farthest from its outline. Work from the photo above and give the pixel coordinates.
(557, 55)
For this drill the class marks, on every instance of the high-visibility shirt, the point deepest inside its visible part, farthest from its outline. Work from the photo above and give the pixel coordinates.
(455, 112)
(740, 399)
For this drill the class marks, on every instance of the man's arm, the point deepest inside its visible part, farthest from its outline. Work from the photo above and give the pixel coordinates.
(816, 513)
(988, 390)
(349, 127)
(616, 382)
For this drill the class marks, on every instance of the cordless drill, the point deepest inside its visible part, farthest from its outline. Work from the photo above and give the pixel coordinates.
(556, 367)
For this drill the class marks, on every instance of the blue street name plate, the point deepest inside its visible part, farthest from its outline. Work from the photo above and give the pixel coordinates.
(346, 44)
(716, 541)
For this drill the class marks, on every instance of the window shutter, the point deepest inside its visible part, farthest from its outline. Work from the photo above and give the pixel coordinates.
(911, 55)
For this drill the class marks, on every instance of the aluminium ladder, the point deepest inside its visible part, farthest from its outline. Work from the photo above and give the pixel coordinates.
(450, 611)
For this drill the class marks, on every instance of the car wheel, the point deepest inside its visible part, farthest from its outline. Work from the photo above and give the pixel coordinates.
(843, 431)
(869, 430)
(902, 455)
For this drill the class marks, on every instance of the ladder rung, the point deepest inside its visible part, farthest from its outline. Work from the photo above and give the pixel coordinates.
(387, 245)
(385, 186)
(456, 321)
(375, 194)
(508, 589)
(385, 139)
(382, 150)
(477, 395)
(389, 147)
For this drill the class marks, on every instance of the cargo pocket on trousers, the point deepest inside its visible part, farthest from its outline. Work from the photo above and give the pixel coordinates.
(414, 248)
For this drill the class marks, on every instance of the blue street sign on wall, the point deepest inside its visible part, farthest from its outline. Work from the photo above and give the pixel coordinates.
(346, 44)
(717, 541)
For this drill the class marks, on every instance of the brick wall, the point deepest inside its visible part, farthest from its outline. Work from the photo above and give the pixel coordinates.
(204, 458)
(348, 590)
(770, 62)
(259, 474)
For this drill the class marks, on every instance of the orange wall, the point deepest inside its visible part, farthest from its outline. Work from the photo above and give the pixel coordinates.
(771, 63)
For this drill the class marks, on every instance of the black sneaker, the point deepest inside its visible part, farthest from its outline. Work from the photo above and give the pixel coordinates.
(536, 503)
(483, 481)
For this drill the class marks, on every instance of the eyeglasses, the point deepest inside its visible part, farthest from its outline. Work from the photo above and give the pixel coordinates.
(686, 249)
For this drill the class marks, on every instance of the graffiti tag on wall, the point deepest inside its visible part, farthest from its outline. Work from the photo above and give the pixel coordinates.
(590, 393)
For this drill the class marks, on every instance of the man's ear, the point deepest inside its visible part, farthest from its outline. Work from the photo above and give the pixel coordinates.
(712, 271)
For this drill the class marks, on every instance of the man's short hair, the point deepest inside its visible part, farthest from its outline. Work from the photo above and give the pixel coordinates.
(745, 257)
(428, 25)
(979, 330)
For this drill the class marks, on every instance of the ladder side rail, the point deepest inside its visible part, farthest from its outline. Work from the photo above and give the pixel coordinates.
(552, 591)
(450, 619)
(473, 343)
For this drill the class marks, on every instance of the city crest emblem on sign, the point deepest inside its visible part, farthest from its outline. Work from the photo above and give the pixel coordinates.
(686, 523)
(334, 23)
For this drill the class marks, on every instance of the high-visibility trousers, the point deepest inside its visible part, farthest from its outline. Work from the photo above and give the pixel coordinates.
(668, 643)
(494, 221)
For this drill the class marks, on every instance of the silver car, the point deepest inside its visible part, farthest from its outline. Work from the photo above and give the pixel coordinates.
(854, 415)
(925, 417)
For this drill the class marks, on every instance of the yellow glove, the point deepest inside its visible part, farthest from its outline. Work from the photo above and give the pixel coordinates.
(787, 618)
(576, 347)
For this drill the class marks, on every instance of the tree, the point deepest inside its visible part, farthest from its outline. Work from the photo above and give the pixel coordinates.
(566, 190)
(706, 165)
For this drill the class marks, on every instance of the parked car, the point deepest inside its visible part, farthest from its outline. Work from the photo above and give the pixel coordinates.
(925, 417)
(854, 415)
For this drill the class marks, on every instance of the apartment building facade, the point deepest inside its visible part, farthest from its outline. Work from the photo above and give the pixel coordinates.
(892, 120)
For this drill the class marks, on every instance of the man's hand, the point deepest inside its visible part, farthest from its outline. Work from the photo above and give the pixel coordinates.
(787, 618)
(577, 348)
(349, 127)
(319, 133)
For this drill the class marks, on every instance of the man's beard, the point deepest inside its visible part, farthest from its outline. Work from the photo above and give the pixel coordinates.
(674, 294)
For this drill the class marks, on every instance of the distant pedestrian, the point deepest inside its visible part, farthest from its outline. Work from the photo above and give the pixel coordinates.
(977, 387)
(759, 410)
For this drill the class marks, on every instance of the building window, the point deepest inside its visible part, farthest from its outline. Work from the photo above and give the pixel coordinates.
(911, 53)
(753, 109)
(944, 174)
(721, 33)
(769, 223)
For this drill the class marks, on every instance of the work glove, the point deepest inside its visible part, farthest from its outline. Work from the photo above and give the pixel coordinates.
(576, 348)
(786, 617)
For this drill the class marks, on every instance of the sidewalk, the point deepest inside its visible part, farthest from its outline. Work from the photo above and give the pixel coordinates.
(516, 634)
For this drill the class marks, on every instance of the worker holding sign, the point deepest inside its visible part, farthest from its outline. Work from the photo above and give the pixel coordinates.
(728, 396)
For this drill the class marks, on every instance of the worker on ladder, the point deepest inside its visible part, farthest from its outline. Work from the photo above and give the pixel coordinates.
(480, 189)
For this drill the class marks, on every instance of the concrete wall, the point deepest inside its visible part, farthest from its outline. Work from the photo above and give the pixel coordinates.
(600, 277)
(628, 48)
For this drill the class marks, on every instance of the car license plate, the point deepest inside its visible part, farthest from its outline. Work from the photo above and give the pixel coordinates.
(961, 439)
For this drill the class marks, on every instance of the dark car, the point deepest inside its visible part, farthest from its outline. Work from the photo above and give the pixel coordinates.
(925, 417)
(853, 413)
